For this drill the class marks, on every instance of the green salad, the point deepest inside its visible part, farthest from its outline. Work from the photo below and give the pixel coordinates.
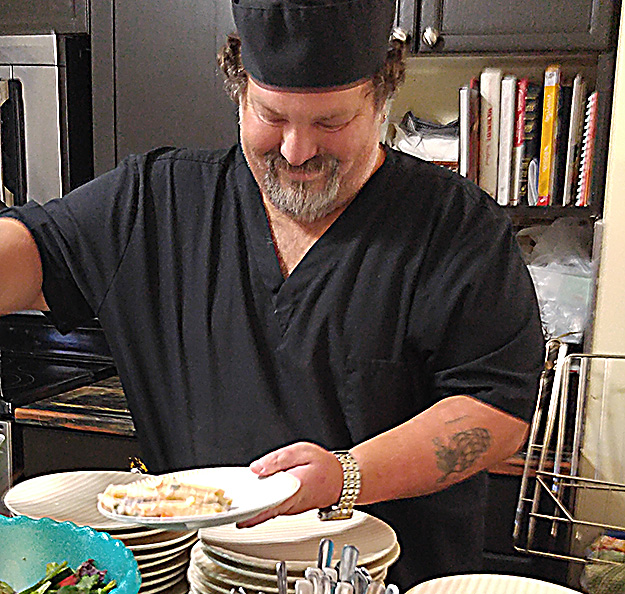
(62, 579)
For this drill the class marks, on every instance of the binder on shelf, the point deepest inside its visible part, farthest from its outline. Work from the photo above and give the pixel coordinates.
(490, 97)
(551, 93)
(528, 191)
(574, 144)
(519, 141)
(506, 139)
(588, 151)
(469, 123)
(561, 144)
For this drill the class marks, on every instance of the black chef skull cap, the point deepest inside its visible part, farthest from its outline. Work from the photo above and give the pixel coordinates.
(312, 44)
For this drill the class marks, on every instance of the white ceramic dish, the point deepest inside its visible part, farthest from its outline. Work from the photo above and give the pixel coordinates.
(166, 585)
(151, 571)
(250, 496)
(373, 538)
(282, 529)
(68, 496)
(166, 552)
(135, 534)
(488, 584)
(165, 577)
(159, 543)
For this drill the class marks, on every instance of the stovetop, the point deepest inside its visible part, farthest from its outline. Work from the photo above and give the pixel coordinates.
(27, 378)
(37, 362)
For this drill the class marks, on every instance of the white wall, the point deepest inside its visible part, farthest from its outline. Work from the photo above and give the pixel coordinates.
(609, 325)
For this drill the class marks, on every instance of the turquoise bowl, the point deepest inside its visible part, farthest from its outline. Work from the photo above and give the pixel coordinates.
(27, 544)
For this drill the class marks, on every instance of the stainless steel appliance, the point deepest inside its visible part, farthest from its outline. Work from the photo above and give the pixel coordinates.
(52, 75)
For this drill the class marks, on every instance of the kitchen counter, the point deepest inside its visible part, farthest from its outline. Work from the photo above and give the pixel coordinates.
(99, 407)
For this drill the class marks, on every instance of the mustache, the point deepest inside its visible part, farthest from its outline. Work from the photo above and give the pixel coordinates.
(276, 161)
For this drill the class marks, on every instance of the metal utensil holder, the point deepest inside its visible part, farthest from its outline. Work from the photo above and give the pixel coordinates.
(571, 488)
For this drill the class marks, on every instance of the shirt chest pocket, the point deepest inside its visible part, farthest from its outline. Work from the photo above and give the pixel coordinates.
(378, 395)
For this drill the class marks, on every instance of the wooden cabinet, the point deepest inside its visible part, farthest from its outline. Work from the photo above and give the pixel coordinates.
(18, 17)
(508, 25)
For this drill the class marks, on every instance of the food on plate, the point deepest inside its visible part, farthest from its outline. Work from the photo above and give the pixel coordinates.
(62, 579)
(164, 498)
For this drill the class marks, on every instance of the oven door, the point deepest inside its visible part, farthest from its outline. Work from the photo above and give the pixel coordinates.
(6, 462)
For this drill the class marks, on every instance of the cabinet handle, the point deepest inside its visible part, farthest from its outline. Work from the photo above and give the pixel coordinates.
(430, 36)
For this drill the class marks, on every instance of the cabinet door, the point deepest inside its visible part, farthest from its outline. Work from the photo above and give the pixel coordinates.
(508, 25)
(155, 77)
(42, 16)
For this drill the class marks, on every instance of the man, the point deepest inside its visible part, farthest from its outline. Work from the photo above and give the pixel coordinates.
(306, 291)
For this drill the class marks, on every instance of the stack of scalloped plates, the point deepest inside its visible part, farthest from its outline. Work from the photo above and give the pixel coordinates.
(162, 555)
(226, 557)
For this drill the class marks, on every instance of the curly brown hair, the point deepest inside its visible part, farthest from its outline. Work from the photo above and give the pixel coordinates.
(385, 82)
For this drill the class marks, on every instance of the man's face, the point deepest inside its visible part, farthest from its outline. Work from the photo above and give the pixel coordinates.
(310, 152)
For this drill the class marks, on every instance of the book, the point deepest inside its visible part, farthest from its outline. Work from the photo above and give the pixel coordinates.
(469, 123)
(490, 97)
(519, 141)
(588, 151)
(506, 138)
(528, 190)
(576, 128)
(551, 91)
(562, 140)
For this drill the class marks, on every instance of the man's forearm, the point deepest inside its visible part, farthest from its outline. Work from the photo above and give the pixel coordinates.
(445, 444)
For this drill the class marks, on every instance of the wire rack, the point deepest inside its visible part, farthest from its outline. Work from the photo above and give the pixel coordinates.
(573, 483)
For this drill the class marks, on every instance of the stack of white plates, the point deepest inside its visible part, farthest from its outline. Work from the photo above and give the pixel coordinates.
(162, 555)
(227, 557)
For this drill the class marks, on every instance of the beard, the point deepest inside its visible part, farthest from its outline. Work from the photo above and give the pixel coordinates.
(302, 200)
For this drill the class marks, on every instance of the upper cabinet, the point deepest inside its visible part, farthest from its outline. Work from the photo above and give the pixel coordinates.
(43, 16)
(441, 26)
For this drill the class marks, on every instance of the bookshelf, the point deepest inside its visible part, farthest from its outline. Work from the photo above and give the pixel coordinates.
(469, 38)
(431, 93)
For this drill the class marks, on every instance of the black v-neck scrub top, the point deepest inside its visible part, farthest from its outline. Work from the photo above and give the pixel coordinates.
(416, 292)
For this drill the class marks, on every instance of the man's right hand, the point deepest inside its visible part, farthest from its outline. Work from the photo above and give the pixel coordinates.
(21, 273)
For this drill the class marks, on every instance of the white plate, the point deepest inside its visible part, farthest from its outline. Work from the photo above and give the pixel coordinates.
(165, 553)
(166, 577)
(165, 585)
(488, 584)
(138, 533)
(180, 560)
(159, 543)
(373, 538)
(68, 496)
(250, 496)
(281, 529)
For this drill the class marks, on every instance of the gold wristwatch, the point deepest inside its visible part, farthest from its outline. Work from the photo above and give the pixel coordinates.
(344, 508)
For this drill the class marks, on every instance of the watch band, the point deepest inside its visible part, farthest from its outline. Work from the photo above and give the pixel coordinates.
(344, 508)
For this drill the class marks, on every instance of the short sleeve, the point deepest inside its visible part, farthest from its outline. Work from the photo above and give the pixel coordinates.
(481, 324)
(81, 239)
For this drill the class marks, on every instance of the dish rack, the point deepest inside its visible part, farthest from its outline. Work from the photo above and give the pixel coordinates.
(572, 488)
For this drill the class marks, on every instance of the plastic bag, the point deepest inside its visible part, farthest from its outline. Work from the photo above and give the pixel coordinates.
(558, 258)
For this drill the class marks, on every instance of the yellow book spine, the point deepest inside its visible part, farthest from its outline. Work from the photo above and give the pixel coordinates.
(548, 135)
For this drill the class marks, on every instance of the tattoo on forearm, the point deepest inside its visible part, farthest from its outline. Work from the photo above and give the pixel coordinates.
(462, 450)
